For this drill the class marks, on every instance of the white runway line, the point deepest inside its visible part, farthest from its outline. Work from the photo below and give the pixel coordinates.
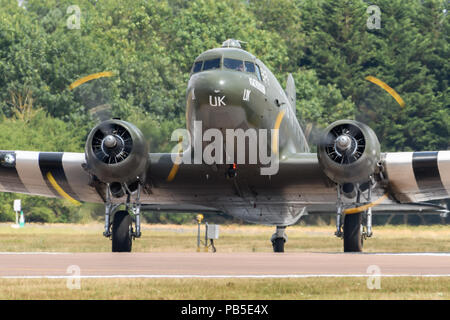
(30, 253)
(269, 276)
(442, 254)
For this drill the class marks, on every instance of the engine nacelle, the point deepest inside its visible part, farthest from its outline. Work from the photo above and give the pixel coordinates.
(348, 152)
(117, 153)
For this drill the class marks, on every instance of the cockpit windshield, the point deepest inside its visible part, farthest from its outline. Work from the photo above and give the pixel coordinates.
(233, 64)
(211, 64)
(228, 63)
(239, 65)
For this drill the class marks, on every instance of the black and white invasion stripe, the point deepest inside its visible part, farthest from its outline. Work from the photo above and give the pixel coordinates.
(52, 162)
(28, 174)
(419, 176)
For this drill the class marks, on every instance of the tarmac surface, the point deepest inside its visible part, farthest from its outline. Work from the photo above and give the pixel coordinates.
(220, 265)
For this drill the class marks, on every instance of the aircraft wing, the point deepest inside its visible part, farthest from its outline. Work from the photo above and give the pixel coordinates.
(411, 177)
(418, 176)
(176, 188)
(49, 174)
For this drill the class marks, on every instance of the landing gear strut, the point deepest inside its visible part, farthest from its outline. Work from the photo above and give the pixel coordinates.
(354, 225)
(121, 229)
(279, 238)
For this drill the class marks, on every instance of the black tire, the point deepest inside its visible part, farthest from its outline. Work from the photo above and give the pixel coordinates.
(278, 244)
(353, 241)
(121, 232)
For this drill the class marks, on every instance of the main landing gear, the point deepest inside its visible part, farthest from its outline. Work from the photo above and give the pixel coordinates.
(122, 232)
(354, 225)
(121, 229)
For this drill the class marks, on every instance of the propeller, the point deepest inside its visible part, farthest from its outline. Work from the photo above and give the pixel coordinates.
(344, 144)
(94, 92)
(112, 143)
(100, 97)
(376, 93)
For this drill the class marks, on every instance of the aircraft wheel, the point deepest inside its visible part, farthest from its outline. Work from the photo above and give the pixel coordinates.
(353, 241)
(278, 244)
(121, 232)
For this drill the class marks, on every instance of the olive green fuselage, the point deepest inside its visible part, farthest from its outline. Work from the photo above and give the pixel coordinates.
(225, 98)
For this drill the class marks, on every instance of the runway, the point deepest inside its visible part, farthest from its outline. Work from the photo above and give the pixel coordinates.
(221, 265)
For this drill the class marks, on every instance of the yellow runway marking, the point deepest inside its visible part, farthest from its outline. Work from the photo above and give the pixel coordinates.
(276, 127)
(60, 190)
(367, 206)
(391, 91)
(89, 78)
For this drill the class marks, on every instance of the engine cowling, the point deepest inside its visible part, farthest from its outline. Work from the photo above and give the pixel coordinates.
(348, 152)
(117, 153)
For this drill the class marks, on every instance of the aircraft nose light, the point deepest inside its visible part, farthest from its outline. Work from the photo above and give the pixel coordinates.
(8, 159)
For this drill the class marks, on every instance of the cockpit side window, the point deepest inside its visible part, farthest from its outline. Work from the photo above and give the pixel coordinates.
(249, 66)
(211, 64)
(233, 64)
(197, 66)
(258, 72)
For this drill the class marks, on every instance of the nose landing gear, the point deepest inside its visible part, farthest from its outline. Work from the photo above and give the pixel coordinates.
(279, 238)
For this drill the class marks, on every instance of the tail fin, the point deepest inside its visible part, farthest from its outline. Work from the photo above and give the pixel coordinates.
(290, 91)
(292, 95)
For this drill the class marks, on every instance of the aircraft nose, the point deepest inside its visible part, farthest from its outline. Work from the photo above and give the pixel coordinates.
(217, 89)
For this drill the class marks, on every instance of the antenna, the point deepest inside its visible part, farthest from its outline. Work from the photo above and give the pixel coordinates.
(232, 43)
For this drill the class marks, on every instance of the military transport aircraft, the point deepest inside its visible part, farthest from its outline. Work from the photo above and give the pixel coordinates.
(230, 89)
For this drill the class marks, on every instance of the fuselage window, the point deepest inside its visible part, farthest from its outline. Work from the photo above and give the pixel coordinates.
(211, 64)
(233, 64)
(249, 67)
(258, 73)
(197, 66)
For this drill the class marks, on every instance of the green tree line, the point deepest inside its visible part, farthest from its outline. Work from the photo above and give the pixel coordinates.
(150, 46)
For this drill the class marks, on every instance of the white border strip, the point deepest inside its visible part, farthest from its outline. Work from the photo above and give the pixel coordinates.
(177, 276)
(440, 254)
